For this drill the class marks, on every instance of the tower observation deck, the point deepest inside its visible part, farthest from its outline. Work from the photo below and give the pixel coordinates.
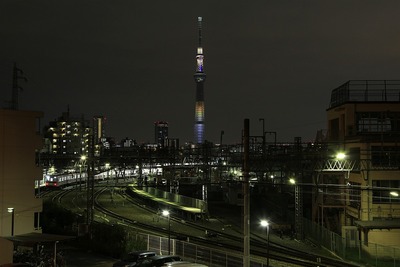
(199, 78)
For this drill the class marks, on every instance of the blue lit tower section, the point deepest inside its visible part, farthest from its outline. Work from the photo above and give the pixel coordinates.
(199, 78)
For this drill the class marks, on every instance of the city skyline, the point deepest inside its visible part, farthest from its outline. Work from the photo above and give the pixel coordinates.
(133, 62)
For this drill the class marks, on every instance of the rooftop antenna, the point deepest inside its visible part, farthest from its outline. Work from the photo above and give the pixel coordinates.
(199, 21)
(17, 75)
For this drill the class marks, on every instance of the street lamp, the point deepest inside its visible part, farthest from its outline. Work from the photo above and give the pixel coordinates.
(392, 194)
(167, 214)
(11, 210)
(82, 163)
(55, 254)
(340, 156)
(108, 171)
(265, 223)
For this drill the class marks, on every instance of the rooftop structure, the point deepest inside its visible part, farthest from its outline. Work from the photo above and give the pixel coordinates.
(366, 91)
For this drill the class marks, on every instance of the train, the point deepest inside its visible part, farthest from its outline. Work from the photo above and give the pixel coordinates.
(55, 181)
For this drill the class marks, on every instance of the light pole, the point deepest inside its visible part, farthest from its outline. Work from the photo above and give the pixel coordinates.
(265, 223)
(55, 254)
(392, 194)
(11, 210)
(108, 171)
(83, 162)
(167, 214)
(298, 209)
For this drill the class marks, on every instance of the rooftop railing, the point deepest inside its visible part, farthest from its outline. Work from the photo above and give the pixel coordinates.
(366, 91)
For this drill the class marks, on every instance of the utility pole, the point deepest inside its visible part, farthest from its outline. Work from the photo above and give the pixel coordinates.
(246, 196)
(90, 186)
(17, 75)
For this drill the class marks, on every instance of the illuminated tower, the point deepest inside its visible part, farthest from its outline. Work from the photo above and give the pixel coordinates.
(199, 78)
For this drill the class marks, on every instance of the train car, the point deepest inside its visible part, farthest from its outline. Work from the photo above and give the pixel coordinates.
(51, 182)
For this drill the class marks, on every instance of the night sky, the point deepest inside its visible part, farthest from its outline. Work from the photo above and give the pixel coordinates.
(133, 61)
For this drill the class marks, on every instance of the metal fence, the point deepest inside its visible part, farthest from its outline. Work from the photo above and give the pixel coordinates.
(198, 253)
(351, 248)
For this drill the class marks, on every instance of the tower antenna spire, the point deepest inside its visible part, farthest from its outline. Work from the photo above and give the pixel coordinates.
(199, 78)
(199, 25)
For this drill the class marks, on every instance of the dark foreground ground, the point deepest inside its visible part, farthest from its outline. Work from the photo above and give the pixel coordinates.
(78, 258)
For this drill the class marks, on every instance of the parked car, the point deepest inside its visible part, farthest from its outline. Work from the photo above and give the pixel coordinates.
(183, 264)
(157, 261)
(133, 257)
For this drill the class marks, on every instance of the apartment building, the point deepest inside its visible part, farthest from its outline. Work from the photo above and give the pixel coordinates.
(359, 192)
(68, 136)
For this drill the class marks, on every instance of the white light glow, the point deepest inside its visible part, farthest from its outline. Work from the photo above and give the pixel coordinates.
(340, 155)
(165, 213)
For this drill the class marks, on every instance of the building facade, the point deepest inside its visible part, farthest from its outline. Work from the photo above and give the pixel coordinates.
(68, 136)
(362, 188)
(20, 210)
(160, 132)
(99, 134)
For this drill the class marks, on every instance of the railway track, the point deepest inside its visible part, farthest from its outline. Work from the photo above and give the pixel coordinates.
(224, 240)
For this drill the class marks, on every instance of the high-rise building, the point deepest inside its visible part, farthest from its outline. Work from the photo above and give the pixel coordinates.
(99, 138)
(20, 209)
(68, 135)
(199, 78)
(98, 129)
(160, 132)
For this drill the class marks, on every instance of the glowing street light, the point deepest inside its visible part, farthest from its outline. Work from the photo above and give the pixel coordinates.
(292, 181)
(340, 156)
(82, 164)
(167, 214)
(394, 194)
(265, 223)
(11, 210)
